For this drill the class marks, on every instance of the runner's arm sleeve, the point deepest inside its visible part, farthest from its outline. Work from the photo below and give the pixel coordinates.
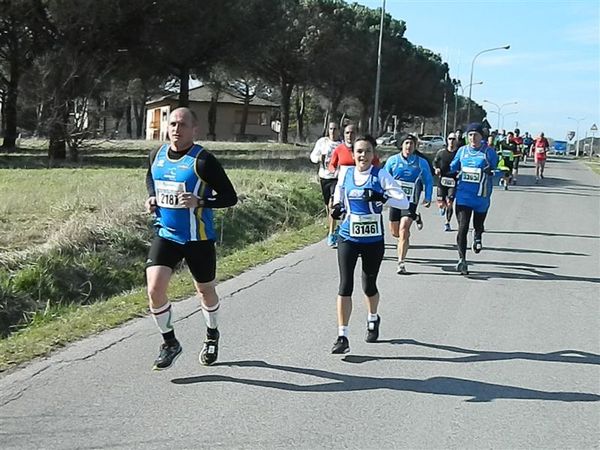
(455, 164)
(437, 159)
(388, 167)
(315, 155)
(333, 164)
(427, 179)
(337, 192)
(396, 196)
(149, 180)
(210, 170)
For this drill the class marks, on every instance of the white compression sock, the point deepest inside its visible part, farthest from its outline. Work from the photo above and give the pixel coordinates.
(162, 317)
(210, 315)
(343, 330)
(372, 317)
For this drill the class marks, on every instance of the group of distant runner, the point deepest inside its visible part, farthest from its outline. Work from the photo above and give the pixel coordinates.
(512, 147)
(355, 188)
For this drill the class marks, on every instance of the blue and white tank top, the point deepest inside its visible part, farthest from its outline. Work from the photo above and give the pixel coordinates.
(363, 222)
(174, 221)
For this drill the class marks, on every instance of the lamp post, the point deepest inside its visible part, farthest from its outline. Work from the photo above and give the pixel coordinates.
(505, 47)
(500, 109)
(508, 114)
(462, 94)
(577, 134)
(375, 121)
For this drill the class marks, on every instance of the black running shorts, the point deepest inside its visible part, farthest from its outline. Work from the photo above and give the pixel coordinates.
(397, 214)
(200, 257)
(328, 188)
(445, 192)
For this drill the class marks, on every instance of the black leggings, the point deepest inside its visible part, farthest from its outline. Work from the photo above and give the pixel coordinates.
(463, 214)
(449, 211)
(371, 255)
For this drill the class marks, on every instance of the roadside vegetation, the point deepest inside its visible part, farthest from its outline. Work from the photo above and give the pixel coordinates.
(72, 237)
(133, 146)
(594, 165)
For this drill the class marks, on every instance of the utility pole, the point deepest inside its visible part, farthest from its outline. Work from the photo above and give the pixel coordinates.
(375, 121)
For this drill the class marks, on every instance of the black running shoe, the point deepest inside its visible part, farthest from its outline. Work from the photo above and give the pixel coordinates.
(341, 346)
(419, 222)
(167, 356)
(373, 330)
(210, 349)
(462, 267)
(477, 245)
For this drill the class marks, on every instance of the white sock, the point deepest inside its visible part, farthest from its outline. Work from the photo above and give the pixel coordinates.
(372, 317)
(162, 317)
(210, 315)
(343, 330)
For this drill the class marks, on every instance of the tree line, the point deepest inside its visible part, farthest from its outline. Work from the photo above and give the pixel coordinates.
(58, 57)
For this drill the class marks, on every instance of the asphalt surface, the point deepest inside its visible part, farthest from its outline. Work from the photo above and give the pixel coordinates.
(507, 357)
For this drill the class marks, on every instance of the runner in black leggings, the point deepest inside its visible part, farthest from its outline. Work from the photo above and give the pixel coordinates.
(359, 195)
(463, 215)
(474, 163)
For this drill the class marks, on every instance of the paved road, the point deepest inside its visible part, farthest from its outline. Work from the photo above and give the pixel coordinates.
(506, 358)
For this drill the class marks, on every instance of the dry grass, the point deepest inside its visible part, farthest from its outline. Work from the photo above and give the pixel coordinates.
(122, 146)
(51, 206)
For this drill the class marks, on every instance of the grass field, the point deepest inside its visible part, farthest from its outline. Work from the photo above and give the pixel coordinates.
(141, 145)
(77, 236)
(44, 207)
(33, 153)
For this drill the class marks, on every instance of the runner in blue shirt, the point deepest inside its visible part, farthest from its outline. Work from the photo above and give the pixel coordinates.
(474, 163)
(360, 194)
(184, 182)
(412, 172)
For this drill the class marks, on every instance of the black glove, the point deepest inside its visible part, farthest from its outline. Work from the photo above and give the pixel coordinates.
(337, 211)
(370, 195)
(489, 171)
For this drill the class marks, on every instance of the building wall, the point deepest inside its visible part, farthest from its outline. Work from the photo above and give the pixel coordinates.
(227, 126)
(157, 120)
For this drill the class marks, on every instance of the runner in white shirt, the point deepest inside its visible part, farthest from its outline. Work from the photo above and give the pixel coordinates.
(321, 155)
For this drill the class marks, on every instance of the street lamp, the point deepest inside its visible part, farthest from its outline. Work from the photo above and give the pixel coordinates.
(500, 109)
(375, 122)
(506, 47)
(577, 120)
(507, 114)
(462, 94)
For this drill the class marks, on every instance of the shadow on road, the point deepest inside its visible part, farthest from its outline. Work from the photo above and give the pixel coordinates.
(528, 271)
(562, 356)
(543, 233)
(555, 191)
(476, 391)
(496, 249)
